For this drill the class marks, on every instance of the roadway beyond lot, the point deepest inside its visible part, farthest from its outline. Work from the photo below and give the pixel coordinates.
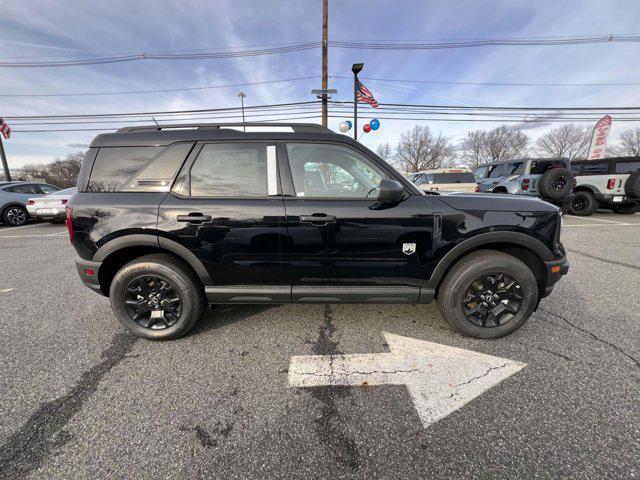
(80, 398)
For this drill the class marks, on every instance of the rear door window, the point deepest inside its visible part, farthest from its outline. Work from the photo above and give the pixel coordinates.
(515, 168)
(29, 188)
(495, 171)
(455, 177)
(628, 167)
(230, 170)
(137, 169)
(594, 168)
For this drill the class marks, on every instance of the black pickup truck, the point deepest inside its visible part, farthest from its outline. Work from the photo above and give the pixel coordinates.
(168, 219)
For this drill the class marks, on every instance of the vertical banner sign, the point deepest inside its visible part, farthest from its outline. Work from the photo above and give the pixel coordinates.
(598, 147)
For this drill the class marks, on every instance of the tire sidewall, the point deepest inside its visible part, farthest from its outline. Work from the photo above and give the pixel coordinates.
(632, 185)
(460, 279)
(190, 298)
(591, 207)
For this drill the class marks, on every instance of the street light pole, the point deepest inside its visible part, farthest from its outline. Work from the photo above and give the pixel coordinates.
(325, 42)
(242, 95)
(355, 68)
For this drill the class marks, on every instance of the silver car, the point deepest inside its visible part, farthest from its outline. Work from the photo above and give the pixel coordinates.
(14, 197)
(51, 207)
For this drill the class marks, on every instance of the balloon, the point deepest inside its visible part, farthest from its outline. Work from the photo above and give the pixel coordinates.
(366, 128)
(375, 124)
(344, 127)
(348, 122)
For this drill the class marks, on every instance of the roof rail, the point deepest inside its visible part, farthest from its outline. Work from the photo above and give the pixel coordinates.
(296, 127)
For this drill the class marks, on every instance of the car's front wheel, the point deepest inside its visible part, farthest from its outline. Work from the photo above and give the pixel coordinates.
(488, 294)
(15, 216)
(157, 297)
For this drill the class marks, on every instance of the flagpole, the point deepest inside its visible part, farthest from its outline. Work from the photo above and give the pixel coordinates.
(5, 166)
(355, 68)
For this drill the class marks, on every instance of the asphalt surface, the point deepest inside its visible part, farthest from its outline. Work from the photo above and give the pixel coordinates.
(80, 398)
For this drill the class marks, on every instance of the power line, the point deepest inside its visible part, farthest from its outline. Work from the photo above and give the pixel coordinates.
(498, 84)
(465, 107)
(166, 90)
(297, 47)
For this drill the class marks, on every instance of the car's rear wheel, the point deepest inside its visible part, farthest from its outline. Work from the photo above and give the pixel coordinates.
(583, 204)
(157, 297)
(488, 294)
(15, 216)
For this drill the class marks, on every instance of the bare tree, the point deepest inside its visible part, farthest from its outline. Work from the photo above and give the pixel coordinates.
(629, 143)
(384, 151)
(62, 172)
(419, 149)
(500, 144)
(571, 141)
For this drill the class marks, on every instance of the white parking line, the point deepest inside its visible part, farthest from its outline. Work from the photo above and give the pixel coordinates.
(31, 236)
(23, 226)
(600, 225)
(7, 290)
(601, 220)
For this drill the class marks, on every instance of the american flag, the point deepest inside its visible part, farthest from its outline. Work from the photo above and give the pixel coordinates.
(4, 129)
(365, 96)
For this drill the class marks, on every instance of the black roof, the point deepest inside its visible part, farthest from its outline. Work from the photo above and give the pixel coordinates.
(607, 159)
(156, 135)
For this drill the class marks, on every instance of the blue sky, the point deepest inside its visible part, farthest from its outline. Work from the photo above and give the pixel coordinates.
(74, 28)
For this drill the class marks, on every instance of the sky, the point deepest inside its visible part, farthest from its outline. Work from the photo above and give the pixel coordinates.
(45, 30)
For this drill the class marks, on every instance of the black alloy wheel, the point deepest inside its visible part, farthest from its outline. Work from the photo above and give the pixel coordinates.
(560, 183)
(153, 302)
(579, 204)
(492, 299)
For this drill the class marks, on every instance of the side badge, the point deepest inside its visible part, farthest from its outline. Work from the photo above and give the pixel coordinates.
(408, 248)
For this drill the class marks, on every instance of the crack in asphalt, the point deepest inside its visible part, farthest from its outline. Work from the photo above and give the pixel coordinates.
(329, 426)
(593, 335)
(483, 375)
(39, 437)
(606, 260)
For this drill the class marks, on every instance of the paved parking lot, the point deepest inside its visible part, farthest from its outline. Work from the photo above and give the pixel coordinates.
(80, 398)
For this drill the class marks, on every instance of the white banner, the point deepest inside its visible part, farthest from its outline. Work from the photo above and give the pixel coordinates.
(598, 148)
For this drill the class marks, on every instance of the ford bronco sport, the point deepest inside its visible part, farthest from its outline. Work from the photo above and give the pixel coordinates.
(612, 183)
(168, 219)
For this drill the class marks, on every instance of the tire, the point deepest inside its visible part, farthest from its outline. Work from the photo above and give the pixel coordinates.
(464, 275)
(15, 216)
(632, 185)
(583, 204)
(166, 270)
(556, 183)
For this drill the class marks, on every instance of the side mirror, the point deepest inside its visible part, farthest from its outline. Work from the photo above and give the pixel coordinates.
(390, 191)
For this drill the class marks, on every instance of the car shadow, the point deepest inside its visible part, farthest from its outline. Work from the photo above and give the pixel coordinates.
(220, 316)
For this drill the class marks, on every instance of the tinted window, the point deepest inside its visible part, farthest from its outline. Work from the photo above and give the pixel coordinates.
(481, 172)
(575, 168)
(515, 168)
(230, 170)
(539, 167)
(627, 167)
(321, 170)
(461, 177)
(495, 170)
(137, 169)
(25, 189)
(48, 188)
(594, 168)
(419, 179)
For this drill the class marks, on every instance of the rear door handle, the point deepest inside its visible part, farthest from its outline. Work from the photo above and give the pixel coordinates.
(317, 219)
(195, 218)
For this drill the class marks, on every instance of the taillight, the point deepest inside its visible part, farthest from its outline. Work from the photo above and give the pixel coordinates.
(611, 183)
(68, 223)
(477, 188)
(31, 202)
(64, 202)
(525, 184)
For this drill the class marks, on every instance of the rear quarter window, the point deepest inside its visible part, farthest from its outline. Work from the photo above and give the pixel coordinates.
(137, 169)
(628, 167)
(540, 167)
(594, 168)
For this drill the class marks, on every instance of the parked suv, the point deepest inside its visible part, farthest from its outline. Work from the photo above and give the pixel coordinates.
(547, 178)
(14, 197)
(168, 219)
(444, 179)
(612, 183)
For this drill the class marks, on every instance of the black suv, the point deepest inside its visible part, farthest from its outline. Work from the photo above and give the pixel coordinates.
(168, 219)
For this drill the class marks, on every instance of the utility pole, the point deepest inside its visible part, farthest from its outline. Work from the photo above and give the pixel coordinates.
(242, 95)
(325, 41)
(5, 166)
(355, 68)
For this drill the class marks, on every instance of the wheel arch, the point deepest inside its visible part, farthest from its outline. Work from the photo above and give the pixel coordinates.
(116, 253)
(586, 188)
(530, 251)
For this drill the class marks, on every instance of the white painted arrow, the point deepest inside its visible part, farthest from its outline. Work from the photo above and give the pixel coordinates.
(440, 379)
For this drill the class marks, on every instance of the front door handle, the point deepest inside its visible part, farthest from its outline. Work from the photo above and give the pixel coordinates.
(317, 219)
(195, 218)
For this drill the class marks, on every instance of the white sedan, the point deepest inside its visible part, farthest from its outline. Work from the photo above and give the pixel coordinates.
(51, 207)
